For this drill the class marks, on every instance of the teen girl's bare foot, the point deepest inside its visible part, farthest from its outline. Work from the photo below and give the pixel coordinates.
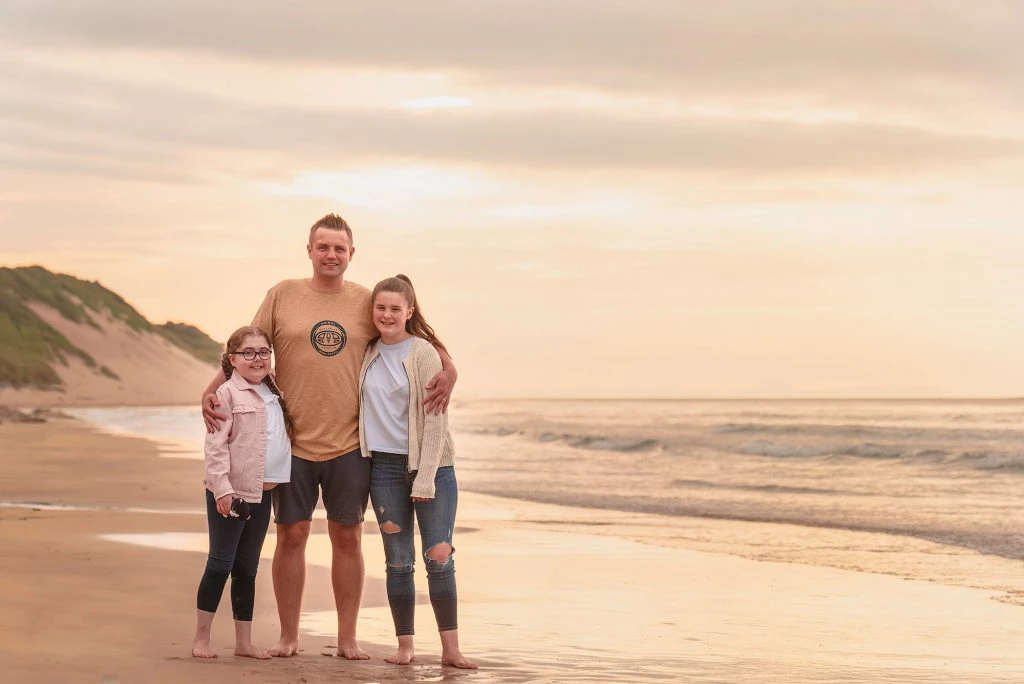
(201, 649)
(451, 655)
(456, 659)
(284, 649)
(349, 650)
(250, 651)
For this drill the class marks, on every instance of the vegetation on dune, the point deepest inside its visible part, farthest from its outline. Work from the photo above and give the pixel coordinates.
(29, 347)
(193, 340)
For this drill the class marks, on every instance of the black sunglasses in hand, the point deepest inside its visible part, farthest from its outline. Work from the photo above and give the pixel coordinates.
(240, 509)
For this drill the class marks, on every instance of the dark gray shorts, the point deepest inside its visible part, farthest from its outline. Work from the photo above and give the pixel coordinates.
(345, 481)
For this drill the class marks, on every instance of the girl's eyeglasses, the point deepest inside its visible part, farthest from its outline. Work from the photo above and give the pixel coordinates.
(250, 354)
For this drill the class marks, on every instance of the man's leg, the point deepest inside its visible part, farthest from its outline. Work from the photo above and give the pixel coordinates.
(347, 573)
(293, 510)
(289, 579)
(346, 488)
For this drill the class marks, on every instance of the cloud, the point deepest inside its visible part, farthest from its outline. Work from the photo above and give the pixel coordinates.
(436, 102)
(816, 46)
(745, 87)
(386, 188)
(140, 125)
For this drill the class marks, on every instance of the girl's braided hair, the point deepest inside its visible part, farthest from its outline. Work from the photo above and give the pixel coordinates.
(231, 347)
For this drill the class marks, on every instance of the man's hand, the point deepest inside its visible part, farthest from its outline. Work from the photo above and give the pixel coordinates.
(210, 415)
(439, 391)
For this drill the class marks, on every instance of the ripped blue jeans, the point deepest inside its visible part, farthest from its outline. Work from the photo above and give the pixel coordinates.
(390, 494)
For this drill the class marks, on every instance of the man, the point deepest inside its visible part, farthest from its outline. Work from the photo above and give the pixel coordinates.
(319, 328)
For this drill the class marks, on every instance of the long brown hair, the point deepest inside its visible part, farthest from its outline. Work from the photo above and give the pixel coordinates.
(231, 347)
(416, 325)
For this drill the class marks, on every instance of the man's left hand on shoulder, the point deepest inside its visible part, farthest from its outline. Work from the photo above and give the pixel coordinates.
(439, 391)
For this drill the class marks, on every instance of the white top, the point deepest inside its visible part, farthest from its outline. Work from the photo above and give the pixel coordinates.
(386, 400)
(278, 466)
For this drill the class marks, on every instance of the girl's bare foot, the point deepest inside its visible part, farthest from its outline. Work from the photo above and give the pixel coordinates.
(201, 641)
(250, 651)
(403, 656)
(456, 659)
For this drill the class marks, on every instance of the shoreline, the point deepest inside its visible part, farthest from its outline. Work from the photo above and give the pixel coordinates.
(547, 593)
(774, 540)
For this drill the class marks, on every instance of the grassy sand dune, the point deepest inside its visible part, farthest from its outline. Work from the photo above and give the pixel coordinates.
(56, 332)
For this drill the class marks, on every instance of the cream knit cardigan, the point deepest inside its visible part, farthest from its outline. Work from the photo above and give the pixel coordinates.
(430, 443)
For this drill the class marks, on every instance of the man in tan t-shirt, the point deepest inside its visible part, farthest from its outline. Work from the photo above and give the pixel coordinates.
(319, 328)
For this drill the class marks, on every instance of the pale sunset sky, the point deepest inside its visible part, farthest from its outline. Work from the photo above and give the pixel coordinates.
(595, 198)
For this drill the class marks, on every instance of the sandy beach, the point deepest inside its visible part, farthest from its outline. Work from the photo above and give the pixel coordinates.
(104, 544)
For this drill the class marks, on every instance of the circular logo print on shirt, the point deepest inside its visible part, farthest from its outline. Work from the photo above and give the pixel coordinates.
(328, 337)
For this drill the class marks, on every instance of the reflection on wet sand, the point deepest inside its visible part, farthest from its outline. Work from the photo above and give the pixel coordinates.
(541, 601)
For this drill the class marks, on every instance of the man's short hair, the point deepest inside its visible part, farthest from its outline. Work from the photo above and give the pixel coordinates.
(331, 222)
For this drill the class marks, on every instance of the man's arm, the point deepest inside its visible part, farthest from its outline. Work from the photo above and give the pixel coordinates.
(210, 403)
(439, 389)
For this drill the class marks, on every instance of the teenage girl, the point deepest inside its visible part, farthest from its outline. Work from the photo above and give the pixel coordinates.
(248, 455)
(412, 471)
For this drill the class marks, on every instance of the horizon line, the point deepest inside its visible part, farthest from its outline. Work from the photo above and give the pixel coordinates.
(753, 398)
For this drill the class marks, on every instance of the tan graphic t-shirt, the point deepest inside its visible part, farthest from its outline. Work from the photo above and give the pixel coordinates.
(319, 339)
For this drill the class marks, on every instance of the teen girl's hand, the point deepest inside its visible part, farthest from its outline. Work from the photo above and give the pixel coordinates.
(420, 499)
(224, 504)
(210, 415)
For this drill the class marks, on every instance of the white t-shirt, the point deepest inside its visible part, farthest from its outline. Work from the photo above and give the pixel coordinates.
(386, 400)
(278, 466)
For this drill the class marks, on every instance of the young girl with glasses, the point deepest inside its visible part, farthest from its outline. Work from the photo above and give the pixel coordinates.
(412, 472)
(248, 455)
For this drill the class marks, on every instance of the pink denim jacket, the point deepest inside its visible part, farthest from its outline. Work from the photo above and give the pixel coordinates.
(237, 452)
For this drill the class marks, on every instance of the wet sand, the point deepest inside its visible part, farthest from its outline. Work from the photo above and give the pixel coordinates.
(547, 593)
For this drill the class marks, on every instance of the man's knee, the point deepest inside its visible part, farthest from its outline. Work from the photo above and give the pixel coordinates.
(291, 538)
(345, 538)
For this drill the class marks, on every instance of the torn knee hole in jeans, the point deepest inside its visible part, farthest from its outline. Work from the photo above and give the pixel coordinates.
(390, 528)
(401, 566)
(440, 552)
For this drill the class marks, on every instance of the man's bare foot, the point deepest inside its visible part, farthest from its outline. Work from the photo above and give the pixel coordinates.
(403, 656)
(349, 650)
(201, 649)
(284, 649)
(250, 651)
(456, 659)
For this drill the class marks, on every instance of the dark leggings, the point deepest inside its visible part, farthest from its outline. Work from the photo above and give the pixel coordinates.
(235, 547)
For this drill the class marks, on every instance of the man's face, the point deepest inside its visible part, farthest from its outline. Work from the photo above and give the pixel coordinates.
(330, 251)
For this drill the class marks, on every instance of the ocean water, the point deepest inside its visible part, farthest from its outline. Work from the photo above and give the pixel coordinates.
(616, 589)
(944, 472)
(177, 430)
